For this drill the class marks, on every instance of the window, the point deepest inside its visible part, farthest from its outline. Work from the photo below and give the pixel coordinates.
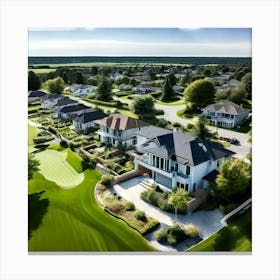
(161, 163)
(188, 170)
(178, 184)
(194, 186)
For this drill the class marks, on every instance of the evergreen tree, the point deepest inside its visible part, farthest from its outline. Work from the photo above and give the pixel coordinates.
(79, 79)
(168, 91)
(34, 82)
(104, 90)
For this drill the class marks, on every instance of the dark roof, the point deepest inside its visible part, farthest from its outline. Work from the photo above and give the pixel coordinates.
(121, 122)
(65, 101)
(152, 131)
(93, 115)
(73, 108)
(185, 149)
(211, 177)
(54, 96)
(37, 93)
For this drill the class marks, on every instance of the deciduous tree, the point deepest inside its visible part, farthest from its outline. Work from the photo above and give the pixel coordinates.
(34, 81)
(55, 85)
(143, 105)
(33, 165)
(178, 199)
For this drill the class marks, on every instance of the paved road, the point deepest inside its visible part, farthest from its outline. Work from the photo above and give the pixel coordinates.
(170, 114)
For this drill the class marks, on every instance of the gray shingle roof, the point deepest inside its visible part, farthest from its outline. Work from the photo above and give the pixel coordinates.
(73, 108)
(152, 131)
(186, 149)
(37, 93)
(65, 101)
(225, 107)
(93, 115)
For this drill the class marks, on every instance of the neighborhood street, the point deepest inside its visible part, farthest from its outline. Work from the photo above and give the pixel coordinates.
(241, 150)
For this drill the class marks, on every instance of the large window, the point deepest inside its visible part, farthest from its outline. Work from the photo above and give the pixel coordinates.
(188, 170)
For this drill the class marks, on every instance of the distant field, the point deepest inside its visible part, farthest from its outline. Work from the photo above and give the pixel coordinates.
(236, 236)
(56, 168)
(41, 71)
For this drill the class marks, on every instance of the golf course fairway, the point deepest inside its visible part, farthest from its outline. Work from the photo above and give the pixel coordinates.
(74, 221)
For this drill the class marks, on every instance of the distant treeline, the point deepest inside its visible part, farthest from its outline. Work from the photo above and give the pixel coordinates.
(135, 59)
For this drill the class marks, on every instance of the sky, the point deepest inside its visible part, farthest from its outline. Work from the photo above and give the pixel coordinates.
(216, 42)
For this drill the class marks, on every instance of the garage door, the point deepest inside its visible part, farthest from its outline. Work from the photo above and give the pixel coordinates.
(167, 182)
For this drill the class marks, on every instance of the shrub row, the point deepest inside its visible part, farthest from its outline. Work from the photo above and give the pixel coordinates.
(42, 139)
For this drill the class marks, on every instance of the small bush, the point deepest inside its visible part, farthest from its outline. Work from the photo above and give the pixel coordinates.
(140, 215)
(63, 144)
(191, 230)
(129, 206)
(117, 207)
(106, 180)
(161, 236)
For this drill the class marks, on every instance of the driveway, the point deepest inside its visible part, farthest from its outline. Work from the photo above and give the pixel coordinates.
(207, 221)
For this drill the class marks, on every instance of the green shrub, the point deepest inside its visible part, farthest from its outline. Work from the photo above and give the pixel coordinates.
(161, 235)
(175, 234)
(106, 180)
(129, 206)
(140, 215)
(42, 139)
(164, 205)
(191, 230)
(63, 144)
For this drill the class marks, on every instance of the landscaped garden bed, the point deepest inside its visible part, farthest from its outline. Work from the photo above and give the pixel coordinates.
(159, 198)
(176, 233)
(126, 211)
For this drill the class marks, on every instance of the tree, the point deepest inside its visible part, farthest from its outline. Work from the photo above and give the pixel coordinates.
(94, 70)
(178, 199)
(55, 85)
(247, 83)
(234, 178)
(200, 93)
(34, 81)
(104, 90)
(238, 94)
(168, 91)
(79, 79)
(143, 105)
(33, 165)
(186, 79)
(207, 72)
(92, 81)
(172, 78)
(199, 129)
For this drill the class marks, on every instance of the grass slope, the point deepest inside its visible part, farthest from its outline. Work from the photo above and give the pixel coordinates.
(75, 221)
(236, 236)
(55, 167)
(32, 133)
(172, 103)
(74, 160)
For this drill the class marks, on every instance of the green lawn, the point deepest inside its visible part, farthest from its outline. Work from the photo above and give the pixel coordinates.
(55, 167)
(32, 133)
(75, 222)
(181, 114)
(173, 103)
(236, 236)
(41, 71)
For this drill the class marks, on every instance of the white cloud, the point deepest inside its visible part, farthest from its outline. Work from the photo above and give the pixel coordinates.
(118, 48)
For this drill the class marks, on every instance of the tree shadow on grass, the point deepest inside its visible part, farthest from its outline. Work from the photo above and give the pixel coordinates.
(37, 208)
(226, 239)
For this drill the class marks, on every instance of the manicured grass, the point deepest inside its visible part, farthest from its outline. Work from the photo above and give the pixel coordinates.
(236, 236)
(32, 133)
(56, 168)
(172, 103)
(181, 114)
(75, 222)
(74, 160)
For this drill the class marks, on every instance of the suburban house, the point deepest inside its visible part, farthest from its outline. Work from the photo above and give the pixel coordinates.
(143, 89)
(86, 120)
(36, 95)
(115, 76)
(117, 128)
(174, 159)
(71, 111)
(225, 114)
(56, 101)
(233, 83)
(125, 87)
(81, 90)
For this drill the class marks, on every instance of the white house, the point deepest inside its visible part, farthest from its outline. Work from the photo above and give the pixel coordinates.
(87, 120)
(117, 128)
(81, 90)
(115, 76)
(225, 114)
(174, 159)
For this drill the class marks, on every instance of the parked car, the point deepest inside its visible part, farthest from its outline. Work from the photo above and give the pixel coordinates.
(231, 140)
